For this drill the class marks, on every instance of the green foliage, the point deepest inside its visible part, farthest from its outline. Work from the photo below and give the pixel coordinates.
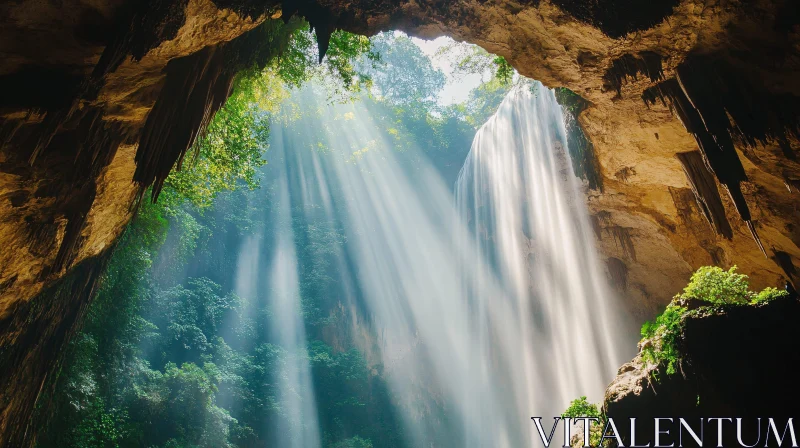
(169, 356)
(715, 285)
(484, 101)
(344, 71)
(572, 103)
(769, 294)
(345, 49)
(580, 407)
(406, 77)
(712, 284)
(504, 71)
(664, 336)
(472, 59)
(354, 442)
(228, 153)
(101, 427)
(231, 151)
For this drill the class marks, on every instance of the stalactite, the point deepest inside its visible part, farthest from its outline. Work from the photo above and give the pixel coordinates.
(32, 343)
(793, 185)
(717, 106)
(717, 255)
(784, 260)
(95, 145)
(319, 18)
(598, 221)
(618, 273)
(196, 87)
(8, 129)
(629, 66)
(693, 218)
(705, 192)
(622, 237)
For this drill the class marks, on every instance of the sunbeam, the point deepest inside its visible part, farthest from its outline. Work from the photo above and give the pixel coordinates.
(485, 307)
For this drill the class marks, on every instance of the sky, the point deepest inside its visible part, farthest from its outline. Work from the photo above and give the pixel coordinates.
(457, 88)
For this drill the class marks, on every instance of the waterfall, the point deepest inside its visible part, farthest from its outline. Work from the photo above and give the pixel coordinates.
(482, 309)
(524, 208)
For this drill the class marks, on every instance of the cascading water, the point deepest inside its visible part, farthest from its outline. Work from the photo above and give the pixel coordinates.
(524, 208)
(484, 309)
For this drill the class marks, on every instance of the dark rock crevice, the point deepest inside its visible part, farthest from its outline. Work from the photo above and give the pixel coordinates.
(628, 66)
(616, 18)
(705, 192)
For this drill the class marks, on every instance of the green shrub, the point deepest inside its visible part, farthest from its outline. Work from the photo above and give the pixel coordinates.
(712, 284)
(768, 294)
(580, 407)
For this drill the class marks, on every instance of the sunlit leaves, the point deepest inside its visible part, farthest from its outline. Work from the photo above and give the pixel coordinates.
(405, 75)
(474, 60)
(503, 70)
(232, 149)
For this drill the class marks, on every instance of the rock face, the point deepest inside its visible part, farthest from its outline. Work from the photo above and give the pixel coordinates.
(65, 201)
(737, 362)
(46, 57)
(78, 80)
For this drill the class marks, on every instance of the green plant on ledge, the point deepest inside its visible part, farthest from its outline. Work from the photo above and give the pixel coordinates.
(580, 407)
(660, 338)
(663, 335)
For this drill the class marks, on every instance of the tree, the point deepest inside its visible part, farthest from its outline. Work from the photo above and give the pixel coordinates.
(406, 75)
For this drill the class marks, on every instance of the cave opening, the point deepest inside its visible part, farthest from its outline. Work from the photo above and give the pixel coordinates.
(324, 250)
(234, 223)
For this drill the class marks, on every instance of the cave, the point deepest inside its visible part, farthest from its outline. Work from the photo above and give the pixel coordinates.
(678, 136)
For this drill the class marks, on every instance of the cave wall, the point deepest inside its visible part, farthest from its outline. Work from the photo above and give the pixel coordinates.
(79, 78)
(64, 203)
